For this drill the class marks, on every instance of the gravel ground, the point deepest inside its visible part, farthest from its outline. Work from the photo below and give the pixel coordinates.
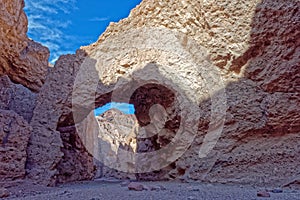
(109, 190)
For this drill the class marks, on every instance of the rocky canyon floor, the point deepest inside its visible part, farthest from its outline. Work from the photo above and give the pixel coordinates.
(114, 189)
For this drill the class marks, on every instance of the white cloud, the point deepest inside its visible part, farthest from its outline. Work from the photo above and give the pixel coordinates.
(41, 7)
(57, 54)
(46, 26)
(99, 19)
(51, 6)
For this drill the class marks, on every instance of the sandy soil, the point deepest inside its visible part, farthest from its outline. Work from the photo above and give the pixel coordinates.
(112, 189)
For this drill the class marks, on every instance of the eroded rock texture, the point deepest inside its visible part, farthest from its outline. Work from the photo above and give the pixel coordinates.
(76, 164)
(227, 79)
(17, 98)
(22, 59)
(14, 136)
(23, 67)
(48, 147)
(118, 132)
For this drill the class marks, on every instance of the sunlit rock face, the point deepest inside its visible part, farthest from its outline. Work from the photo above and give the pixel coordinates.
(216, 81)
(117, 131)
(119, 128)
(22, 59)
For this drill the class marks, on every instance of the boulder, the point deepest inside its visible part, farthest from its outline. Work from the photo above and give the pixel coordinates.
(135, 186)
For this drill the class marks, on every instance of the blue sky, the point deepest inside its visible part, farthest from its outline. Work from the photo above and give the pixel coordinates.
(65, 25)
(123, 107)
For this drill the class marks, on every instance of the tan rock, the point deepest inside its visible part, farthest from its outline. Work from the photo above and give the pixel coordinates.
(46, 143)
(118, 130)
(135, 186)
(256, 118)
(22, 59)
(232, 64)
(263, 194)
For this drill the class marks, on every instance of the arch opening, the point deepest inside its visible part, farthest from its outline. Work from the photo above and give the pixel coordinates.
(125, 108)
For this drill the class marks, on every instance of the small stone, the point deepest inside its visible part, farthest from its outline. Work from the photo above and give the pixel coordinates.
(125, 183)
(193, 188)
(162, 187)
(263, 194)
(191, 198)
(109, 180)
(155, 188)
(135, 186)
(277, 190)
(6, 129)
(4, 193)
(146, 188)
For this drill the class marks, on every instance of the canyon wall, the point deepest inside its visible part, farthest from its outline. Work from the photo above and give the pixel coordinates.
(215, 85)
(252, 47)
(22, 59)
(23, 67)
(232, 65)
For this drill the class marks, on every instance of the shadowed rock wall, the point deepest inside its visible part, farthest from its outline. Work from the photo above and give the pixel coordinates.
(23, 67)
